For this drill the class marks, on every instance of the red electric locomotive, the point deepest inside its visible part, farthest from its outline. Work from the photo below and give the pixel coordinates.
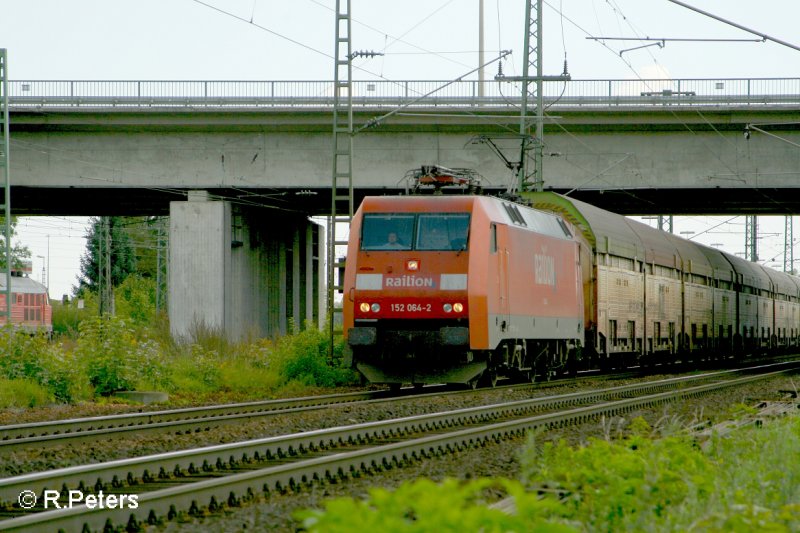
(433, 292)
(461, 288)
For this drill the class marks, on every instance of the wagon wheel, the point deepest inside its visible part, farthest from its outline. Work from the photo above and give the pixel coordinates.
(488, 378)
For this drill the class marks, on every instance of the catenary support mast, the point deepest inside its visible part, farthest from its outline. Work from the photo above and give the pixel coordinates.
(342, 172)
(532, 61)
(5, 176)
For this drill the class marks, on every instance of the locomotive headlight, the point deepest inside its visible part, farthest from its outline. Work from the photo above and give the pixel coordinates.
(448, 308)
(364, 307)
(458, 307)
(412, 265)
(376, 308)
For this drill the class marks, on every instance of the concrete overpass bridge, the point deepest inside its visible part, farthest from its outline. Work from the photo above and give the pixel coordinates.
(250, 261)
(636, 147)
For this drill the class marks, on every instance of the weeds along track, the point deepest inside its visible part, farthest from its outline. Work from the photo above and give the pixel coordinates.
(15, 437)
(192, 419)
(195, 419)
(211, 478)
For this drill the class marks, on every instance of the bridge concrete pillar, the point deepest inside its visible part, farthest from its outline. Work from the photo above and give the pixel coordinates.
(240, 271)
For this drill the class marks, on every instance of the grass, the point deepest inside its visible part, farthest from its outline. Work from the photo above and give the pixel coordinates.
(108, 354)
(16, 393)
(748, 481)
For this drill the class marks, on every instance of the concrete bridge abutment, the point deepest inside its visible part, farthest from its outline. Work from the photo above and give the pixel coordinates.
(241, 271)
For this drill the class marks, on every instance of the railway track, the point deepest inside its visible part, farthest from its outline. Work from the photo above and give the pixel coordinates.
(70, 431)
(15, 437)
(194, 419)
(227, 475)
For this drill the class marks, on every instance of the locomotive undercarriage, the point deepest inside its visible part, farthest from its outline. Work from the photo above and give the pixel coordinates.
(438, 352)
(537, 360)
(419, 353)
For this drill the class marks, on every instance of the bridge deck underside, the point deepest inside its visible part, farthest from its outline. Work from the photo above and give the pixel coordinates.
(654, 161)
(121, 201)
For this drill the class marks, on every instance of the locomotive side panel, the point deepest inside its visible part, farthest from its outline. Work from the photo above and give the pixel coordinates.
(539, 290)
(533, 286)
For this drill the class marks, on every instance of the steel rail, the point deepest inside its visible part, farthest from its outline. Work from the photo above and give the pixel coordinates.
(57, 432)
(50, 433)
(231, 490)
(186, 460)
(160, 466)
(135, 421)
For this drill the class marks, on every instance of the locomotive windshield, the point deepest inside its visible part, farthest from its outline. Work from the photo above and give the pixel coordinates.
(387, 232)
(442, 232)
(405, 231)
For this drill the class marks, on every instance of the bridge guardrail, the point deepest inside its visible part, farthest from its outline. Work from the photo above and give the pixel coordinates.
(382, 93)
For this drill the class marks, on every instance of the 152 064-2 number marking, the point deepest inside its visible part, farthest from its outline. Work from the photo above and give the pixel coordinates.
(410, 308)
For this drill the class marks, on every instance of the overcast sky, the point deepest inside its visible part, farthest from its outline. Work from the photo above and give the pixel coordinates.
(431, 39)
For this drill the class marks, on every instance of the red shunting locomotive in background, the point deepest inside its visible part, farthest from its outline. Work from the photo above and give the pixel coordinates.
(30, 304)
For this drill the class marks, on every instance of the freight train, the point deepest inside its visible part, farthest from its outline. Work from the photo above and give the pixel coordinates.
(465, 288)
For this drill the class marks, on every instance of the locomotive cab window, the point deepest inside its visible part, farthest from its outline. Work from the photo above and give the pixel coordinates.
(406, 231)
(443, 231)
(387, 231)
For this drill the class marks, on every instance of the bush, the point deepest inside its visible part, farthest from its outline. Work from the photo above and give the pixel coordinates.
(22, 393)
(66, 319)
(241, 376)
(34, 358)
(303, 357)
(748, 481)
(620, 485)
(114, 357)
(135, 300)
(423, 505)
(113, 353)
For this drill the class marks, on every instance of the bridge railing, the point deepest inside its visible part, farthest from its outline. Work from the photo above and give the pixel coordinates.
(382, 93)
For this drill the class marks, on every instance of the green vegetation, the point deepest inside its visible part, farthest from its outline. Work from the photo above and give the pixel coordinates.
(423, 505)
(748, 481)
(113, 232)
(92, 357)
(19, 253)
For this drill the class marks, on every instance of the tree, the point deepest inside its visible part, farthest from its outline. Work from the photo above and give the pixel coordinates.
(19, 253)
(123, 259)
(144, 236)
